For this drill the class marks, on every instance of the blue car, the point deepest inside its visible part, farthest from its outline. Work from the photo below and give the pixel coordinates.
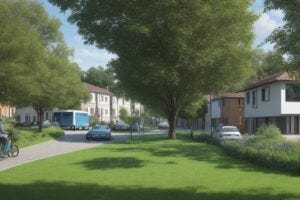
(99, 132)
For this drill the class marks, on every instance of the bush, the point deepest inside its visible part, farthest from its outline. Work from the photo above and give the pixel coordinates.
(93, 120)
(9, 127)
(266, 148)
(269, 132)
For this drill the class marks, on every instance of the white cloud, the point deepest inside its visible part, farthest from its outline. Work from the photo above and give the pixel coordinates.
(87, 56)
(265, 25)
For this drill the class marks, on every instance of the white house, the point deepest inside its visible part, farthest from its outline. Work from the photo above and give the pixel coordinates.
(102, 104)
(274, 99)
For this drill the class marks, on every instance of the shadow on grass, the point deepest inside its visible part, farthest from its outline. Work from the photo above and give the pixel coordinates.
(71, 191)
(185, 147)
(112, 163)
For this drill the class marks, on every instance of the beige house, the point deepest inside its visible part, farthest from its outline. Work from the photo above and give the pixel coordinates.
(7, 110)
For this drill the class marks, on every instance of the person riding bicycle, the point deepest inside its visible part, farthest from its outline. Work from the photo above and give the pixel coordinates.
(4, 137)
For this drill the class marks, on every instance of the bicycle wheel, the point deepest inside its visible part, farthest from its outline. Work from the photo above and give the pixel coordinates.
(14, 151)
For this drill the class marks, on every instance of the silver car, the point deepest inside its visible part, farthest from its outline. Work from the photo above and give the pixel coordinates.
(228, 133)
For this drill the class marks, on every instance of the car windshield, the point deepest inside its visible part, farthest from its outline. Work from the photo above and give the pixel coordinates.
(229, 129)
(100, 127)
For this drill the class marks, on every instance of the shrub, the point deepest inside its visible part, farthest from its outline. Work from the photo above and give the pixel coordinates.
(266, 148)
(93, 120)
(269, 132)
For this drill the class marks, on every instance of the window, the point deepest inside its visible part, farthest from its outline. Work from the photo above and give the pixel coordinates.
(92, 111)
(106, 111)
(248, 98)
(292, 92)
(223, 102)
(239, 100)
(106, 99)
(254, 103)
(102, 98)
(27, 118)
(265, 94)
(101, 111)
(113, 112)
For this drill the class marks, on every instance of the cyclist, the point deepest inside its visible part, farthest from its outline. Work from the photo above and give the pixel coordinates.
(4, 138)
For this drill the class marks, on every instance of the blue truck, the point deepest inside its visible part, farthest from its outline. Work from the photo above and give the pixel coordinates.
(72, 119)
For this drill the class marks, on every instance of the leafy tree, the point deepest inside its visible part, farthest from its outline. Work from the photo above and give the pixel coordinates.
(123, 114)
(169, 51)
(194, 110)
(267, 63)
(46, 77)
(99, 76)
(287, 37)
(20, 52)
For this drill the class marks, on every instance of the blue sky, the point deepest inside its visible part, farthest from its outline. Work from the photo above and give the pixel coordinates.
(87, 56)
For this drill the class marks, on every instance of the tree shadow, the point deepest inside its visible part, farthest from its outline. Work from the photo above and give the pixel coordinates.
(112, 163)
(193, 150)
(79, 191)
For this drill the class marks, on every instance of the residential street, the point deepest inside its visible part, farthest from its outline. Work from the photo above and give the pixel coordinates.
(71, 141)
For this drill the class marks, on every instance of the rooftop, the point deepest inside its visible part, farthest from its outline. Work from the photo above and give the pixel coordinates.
(93, 88)
(281, 76)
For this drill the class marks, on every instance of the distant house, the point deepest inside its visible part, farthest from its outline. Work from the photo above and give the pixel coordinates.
(7, 110)
(274, 99)
(103, 104)
(228, 109)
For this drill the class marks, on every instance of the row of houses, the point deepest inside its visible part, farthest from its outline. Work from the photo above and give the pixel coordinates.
(274, 99)
(102, 104)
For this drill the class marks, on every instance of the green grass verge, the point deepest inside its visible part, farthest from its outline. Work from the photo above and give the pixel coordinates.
(154, 168)
(29, 136)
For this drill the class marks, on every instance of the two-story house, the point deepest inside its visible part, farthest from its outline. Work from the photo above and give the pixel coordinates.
(274, 99)
(228, 109)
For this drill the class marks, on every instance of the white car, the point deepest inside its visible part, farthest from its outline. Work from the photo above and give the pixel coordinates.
(228, 133)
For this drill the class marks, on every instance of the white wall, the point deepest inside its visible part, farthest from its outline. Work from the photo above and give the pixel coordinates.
(215, 109)
(265, 108)
(288, 108)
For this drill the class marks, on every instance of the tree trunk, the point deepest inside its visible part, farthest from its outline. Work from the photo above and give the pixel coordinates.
(192, 128)
(172, 124)
(41, 117)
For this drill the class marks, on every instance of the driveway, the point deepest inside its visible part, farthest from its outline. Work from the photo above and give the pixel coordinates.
(71, 141)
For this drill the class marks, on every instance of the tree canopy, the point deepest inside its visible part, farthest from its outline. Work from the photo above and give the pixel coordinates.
(34, 60)
(170, 52)
(287, 37)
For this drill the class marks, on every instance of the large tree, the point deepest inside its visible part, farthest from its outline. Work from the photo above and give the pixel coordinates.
(99, 76)
(34, 60)
(287, 37)
(170, 51)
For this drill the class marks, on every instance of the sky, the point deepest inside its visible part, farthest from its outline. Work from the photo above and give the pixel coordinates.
(89, 56)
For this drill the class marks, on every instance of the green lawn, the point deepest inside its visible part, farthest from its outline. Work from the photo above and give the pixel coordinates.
(154, 169)
(29, 136)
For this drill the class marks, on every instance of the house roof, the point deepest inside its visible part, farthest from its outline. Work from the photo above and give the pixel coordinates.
(93, 88)
(228, 95)
(281, 76)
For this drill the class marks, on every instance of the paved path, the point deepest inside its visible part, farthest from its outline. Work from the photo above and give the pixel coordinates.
(71, 141)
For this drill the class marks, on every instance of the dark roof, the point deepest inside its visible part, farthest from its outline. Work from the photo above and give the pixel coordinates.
(281, 76)
(229, 95)
(93, 88)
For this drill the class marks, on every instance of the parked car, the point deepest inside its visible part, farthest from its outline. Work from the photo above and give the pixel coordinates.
(135, 127)
(99, 132)
(121, 126)
(228, 133)
(163, 125)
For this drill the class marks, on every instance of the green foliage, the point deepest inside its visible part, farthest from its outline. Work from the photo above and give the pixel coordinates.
(93, 120)
(266, 148)
(123, 114)
(269, 132)
(31, 136)
(195, 109)
(99, 76)
(173, 51)
(266, 63)
(286, 37)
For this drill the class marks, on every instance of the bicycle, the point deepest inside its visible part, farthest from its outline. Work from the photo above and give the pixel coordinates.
(13, 149)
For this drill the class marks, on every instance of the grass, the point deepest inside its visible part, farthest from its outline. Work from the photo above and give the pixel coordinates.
(28, 136)
(155, 168)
